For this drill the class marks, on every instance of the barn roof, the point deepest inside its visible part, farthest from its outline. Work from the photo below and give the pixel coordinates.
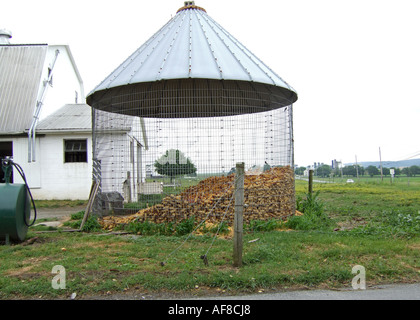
(78, 118)
(20, 75)
(71, 117)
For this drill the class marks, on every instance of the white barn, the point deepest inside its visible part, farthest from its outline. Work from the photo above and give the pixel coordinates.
(46, 126)
(35, 81)
(63, 169)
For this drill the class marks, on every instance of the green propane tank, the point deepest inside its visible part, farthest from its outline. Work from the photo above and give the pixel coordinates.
(15, 207)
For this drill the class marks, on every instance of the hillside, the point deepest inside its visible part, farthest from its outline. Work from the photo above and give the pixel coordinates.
(390, 164)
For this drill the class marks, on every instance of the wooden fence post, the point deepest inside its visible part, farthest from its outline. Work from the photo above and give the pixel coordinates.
(311, 179)
(239, 210)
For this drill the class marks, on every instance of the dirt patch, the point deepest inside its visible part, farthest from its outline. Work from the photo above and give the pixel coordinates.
(19, 272)
(96, 244)
(28, 265)
(351, 224)
(60, 213)
(415, 246)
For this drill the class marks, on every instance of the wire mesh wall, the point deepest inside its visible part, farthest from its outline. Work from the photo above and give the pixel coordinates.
(169, 153)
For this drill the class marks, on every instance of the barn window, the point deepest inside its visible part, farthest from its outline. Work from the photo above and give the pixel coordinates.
(75, 151)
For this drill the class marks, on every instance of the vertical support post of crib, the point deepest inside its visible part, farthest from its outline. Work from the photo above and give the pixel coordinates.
(239, 210)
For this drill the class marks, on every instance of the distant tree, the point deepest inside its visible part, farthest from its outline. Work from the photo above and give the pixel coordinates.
(411, 171)
(353, 171)
(349, 171)
(299, 171)
(386, 171)
(372, 171)
(415, 170)
(406, 171)
(174, 163)
(323, 171)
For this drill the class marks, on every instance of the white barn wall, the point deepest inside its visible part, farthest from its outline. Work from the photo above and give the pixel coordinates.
(65, 83)
(49, 177)
(62, 180)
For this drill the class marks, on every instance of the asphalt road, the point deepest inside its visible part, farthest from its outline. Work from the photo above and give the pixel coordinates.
(385, 292)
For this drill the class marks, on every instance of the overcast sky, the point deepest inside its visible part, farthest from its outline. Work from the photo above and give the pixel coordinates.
(355, 64)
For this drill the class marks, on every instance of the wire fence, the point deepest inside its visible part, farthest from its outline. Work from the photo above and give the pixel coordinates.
(168, 150)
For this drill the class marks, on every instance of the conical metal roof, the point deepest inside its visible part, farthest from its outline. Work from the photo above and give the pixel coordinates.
(191, 46)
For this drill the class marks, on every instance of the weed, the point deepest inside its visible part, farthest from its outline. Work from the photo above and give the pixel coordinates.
(91, 224)
(313, 216)
(185, 227)
(393, 223)
(221, 228)
(78, 215)
(311, 204)
(260, 225)
(147, 228)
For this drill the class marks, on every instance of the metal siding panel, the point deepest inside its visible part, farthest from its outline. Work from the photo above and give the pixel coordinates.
(191, 45)
(20, 75)
(204, 63)
(176, 64)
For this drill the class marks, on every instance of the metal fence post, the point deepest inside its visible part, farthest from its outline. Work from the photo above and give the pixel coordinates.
(239, 209)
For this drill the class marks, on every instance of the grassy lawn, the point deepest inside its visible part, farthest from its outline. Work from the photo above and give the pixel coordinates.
(373, 224)
(355, 204)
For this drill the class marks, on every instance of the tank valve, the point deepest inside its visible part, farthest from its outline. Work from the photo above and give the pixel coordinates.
(6, 165)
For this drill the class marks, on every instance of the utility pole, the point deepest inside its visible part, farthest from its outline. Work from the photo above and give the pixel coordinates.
(380, 160)
(357, 169)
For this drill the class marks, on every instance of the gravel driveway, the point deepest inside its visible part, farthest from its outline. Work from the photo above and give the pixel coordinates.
(59, 213)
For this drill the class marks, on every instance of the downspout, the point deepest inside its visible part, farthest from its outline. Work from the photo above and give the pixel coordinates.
(143, 129)
(32, 129)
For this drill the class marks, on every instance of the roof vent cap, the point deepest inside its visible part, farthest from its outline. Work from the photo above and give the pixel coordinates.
(190, 5)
